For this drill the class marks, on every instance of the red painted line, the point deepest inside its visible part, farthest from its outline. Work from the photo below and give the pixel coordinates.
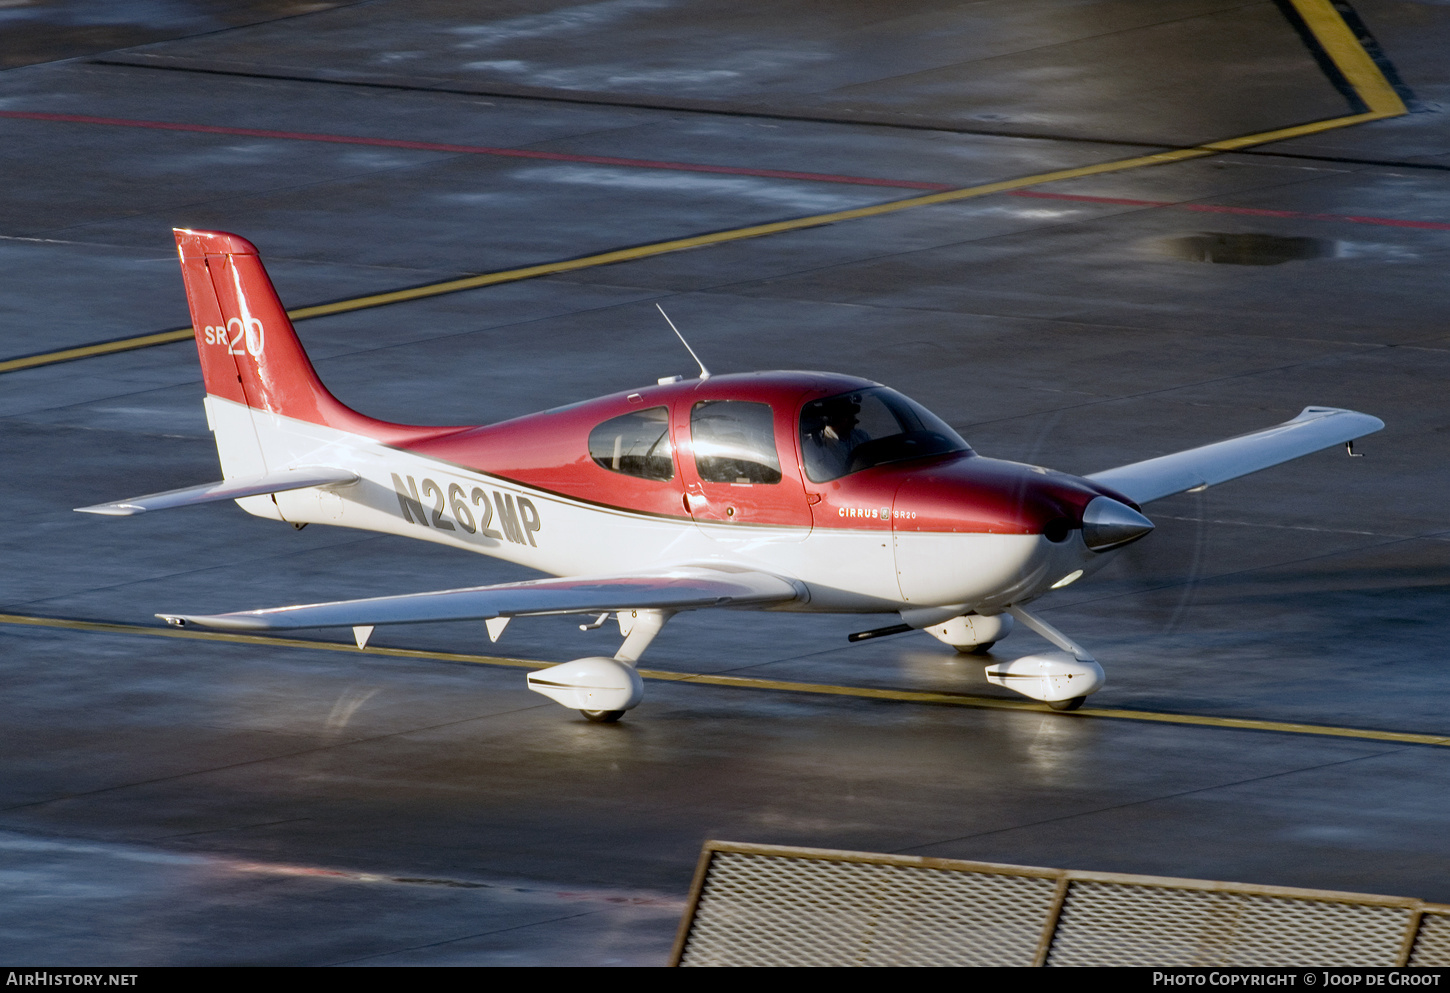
(1206, 208)
(816, 177)
(515, 153)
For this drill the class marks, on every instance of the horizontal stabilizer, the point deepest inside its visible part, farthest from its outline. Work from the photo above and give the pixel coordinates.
(230, 489)
(1208, 465)
(674, 589)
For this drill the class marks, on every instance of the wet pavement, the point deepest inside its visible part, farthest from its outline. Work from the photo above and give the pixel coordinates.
(170, 801)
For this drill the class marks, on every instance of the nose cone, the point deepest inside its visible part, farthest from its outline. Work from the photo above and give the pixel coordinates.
(1106, 524)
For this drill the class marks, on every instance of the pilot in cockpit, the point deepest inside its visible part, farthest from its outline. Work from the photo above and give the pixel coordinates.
(830, 434)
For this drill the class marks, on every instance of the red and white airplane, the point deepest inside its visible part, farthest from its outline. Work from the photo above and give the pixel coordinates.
(785, 491)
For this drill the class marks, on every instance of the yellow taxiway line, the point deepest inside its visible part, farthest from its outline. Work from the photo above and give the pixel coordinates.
(102, 348)
(1349, 56)
(748, 683)
(1334, 36)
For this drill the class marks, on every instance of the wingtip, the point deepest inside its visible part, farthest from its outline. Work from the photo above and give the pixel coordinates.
(1371, 423)
(216, 622)
(111, 510)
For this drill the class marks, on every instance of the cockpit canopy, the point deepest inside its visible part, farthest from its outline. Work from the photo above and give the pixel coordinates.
(853, 431)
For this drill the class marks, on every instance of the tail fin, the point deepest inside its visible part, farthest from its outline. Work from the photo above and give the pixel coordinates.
(250, 354)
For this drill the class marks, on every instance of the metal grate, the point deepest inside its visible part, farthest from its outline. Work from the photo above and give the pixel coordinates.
(765, 905)
(1114, 924)
(762, 910)
(1432, 944)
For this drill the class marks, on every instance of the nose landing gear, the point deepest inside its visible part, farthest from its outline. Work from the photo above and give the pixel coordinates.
(972, 634)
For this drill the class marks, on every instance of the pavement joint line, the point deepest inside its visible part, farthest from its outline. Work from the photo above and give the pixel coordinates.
(746, 682)
(1328, 27)
(612, 100)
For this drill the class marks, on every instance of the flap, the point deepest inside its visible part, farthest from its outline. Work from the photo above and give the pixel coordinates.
(674, 589)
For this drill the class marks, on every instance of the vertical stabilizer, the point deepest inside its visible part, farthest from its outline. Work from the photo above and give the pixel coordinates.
(251, 361)
(249, 352)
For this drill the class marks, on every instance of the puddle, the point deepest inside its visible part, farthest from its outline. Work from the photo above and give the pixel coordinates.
(1247, 249)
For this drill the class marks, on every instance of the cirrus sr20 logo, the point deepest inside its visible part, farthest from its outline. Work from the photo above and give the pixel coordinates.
(235, 334)
(876, 514)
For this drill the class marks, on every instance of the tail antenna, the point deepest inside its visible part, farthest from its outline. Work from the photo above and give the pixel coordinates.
(704, 373)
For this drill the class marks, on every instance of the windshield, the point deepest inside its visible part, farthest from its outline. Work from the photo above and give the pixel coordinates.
(854, 431)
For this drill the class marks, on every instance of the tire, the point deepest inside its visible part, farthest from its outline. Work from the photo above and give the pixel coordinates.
(603, 716)
(1072, 704)
(981, 649)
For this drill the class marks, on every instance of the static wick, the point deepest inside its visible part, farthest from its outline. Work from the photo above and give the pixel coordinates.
(704, 373)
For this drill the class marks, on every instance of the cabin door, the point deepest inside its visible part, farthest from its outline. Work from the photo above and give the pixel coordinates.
(738, 463)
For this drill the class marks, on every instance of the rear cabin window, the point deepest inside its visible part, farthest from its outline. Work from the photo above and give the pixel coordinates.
(734, 442)
(854, 431)
(636, 444)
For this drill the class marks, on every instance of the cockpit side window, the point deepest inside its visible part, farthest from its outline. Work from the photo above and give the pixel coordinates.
(854, 431)
(636, 444)
(734, 442)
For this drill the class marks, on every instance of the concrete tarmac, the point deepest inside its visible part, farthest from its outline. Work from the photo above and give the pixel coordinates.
(167, 801)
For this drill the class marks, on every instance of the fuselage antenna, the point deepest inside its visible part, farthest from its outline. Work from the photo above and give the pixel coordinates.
(704, 373)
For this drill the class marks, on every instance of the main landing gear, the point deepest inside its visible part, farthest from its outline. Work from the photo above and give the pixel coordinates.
(603, 716)
(603, 689)
(600, 688)
(1061, 679)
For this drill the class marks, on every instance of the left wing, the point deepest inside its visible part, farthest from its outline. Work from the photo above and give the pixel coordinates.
(673, 589)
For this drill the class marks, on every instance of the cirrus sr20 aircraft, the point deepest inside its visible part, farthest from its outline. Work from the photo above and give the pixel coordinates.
(784, 491)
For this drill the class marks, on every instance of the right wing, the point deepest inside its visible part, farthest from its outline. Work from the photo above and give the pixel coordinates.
(673, 589)
(1313, 429)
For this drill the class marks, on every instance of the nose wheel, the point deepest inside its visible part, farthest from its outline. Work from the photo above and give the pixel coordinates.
(1071, 704)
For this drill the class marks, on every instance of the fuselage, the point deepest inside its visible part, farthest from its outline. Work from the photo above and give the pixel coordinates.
(730, 469)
